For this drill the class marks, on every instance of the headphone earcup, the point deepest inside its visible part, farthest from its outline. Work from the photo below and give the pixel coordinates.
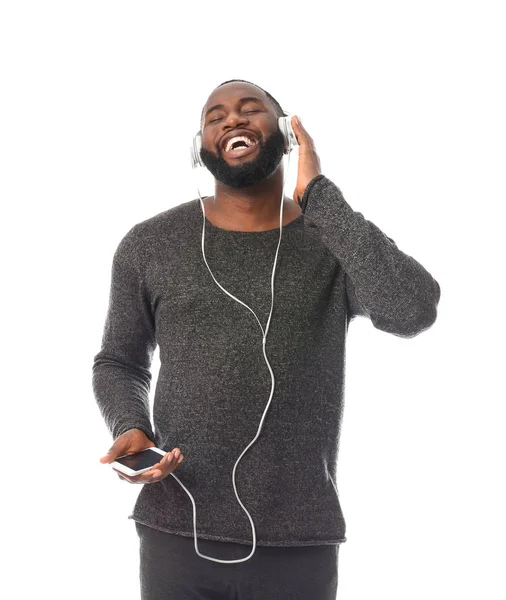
(196, 160)
(282, 128)
(286, 129)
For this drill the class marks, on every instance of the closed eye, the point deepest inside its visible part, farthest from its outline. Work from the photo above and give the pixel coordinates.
(247, 112)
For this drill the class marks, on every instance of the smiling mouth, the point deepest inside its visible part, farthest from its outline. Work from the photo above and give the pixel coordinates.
(240, 151)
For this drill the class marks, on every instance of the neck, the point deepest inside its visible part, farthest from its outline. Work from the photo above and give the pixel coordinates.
(253, 208)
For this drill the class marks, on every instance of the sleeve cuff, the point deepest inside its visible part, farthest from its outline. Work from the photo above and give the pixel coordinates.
(147, 431)
(307, 191)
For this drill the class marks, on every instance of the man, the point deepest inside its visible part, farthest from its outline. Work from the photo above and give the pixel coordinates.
(214, 383)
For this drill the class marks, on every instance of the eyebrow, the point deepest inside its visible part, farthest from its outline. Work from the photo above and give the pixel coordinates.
(241, 101)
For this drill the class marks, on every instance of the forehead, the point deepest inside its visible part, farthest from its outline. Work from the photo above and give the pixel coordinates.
(232, 92)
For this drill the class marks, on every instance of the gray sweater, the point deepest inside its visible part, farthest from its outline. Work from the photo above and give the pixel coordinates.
(214, 384)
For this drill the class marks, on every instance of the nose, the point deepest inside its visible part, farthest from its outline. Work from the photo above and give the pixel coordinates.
(234, 119)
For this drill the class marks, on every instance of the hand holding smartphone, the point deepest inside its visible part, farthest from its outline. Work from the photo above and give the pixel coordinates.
(135, 458)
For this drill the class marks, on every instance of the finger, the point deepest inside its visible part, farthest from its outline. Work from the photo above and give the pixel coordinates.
(122, 475)
(107, 457)
(298, 125)
(176, 462)
(304, 135)
(169, 466)
(166, 465)
(157, 471)
(300, 132)
(129, 478)
(178, 457)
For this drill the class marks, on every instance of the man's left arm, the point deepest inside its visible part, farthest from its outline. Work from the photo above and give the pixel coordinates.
(398, 293)
(390, 287)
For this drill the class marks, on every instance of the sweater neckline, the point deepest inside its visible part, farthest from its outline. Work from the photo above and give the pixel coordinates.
(231, 232)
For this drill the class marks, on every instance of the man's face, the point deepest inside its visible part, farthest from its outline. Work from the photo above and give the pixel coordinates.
(256, 118)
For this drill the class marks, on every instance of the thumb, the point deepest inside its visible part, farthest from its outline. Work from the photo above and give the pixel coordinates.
(109, 456)
(105, 458)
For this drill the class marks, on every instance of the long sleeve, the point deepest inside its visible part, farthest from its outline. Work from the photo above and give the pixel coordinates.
(121, 370)
(383, 283)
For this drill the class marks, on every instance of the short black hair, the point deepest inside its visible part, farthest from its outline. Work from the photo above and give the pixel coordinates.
(277, 106)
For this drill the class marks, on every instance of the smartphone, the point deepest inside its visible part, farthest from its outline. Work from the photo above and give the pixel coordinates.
(134, 464)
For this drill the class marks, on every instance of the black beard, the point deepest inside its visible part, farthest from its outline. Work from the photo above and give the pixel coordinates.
(248, 172)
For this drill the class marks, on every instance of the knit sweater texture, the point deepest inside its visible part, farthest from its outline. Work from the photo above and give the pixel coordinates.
(214, 384)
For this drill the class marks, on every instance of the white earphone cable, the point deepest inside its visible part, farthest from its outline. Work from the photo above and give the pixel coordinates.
(239, 560)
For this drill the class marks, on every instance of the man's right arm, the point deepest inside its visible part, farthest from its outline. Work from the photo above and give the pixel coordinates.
(121, 370)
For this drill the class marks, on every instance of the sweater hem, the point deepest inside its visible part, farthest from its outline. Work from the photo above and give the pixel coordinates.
(218, 538)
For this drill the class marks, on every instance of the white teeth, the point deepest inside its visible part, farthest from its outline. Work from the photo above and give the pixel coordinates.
(245, 139)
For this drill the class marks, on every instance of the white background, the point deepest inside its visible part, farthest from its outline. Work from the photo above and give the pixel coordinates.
(405, 102)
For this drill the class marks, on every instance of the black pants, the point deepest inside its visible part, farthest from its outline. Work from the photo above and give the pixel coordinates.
(170, 569)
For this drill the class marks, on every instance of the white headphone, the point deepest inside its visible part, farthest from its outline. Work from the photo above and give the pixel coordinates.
(291, 141)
